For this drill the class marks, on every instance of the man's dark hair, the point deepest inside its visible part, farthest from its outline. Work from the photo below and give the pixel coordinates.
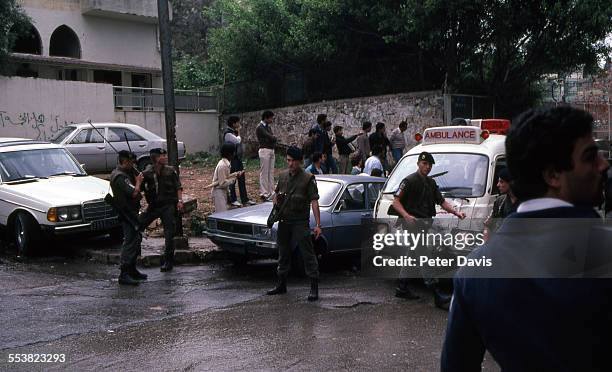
(541, 139)
(376, 172)
(355, 159)
(266, 115)
(403, 124)
(380, 126)
(337, 129)
(366, 125)
(124, 155)
(227, 150)
(232, 120)
(315, 157)
(378, 150)
(321, 118)
(311, 132)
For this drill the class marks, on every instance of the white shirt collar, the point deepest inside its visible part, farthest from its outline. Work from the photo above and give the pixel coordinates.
(538, 204)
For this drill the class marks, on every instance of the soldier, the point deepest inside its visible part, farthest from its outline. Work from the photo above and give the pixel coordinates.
(415, 202)
(164, 195)
(126, 184)
(505, 204)
(298, 190)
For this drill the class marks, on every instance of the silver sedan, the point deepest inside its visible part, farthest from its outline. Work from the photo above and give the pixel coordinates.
(94, 147)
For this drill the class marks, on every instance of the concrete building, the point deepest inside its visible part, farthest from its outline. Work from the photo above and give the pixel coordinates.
(96, 60)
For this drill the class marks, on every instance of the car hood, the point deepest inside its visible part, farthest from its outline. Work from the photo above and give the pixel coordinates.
(256, 214)
(61, 190)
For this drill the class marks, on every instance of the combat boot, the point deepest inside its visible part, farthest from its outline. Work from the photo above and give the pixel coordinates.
(137, 274)
(125, 278)
(281, 287)
(314, 289)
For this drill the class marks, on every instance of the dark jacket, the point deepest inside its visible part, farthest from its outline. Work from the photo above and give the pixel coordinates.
(530, 324)
(123, 184)
(303, 190)
(379, 139)
(265, 137)
(343, 144)
(308, 147)
(161, 190)
(318, 138)
(238, 147)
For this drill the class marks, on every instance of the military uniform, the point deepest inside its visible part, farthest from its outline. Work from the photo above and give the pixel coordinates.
(123, 185)
(502, 207)
(162, 198)
(294, 221)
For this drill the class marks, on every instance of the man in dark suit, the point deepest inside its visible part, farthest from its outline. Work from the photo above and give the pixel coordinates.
(528, 309)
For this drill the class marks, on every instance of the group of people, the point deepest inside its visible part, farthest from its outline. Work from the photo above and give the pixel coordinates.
(164, 196)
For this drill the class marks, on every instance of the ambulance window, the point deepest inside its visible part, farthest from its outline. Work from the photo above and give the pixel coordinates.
(499, 165)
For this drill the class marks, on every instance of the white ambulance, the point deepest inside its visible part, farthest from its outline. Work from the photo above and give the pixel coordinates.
(467, 161)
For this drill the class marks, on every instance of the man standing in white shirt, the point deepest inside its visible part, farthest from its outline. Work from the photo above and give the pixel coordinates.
(267, 143)
(374, 161)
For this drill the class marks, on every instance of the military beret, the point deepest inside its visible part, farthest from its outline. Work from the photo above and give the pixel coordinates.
(295, 153)
(157, 151)
(505, 175)
(426, 157)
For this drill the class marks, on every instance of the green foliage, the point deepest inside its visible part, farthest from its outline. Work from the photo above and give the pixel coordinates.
(13, 22)
(195, 73)
(493, 47)
(200, 159)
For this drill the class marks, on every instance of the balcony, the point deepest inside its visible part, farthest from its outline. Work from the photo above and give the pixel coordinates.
(152, 99)
(131, 10)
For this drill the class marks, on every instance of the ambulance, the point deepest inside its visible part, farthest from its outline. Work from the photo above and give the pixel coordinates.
(468, 159)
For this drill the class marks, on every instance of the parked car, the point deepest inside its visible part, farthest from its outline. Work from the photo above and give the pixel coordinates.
(44, 192)
(98, 153)
(344, 201)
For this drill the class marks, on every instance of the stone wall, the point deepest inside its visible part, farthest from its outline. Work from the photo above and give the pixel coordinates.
(420, 110)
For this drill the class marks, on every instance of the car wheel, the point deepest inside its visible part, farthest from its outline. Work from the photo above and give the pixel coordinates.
(142, 163)
(26, 232)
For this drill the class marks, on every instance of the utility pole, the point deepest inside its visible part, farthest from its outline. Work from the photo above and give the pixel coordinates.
(165, 41)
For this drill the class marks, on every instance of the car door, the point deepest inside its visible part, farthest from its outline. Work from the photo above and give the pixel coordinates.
(346, 218)
(117, 137)
(89, 148)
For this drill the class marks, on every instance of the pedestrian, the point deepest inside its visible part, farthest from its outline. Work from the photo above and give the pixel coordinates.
(328, 146)
(398, 141)
(308, 147)
(379, 139)
(319, 137)
(505, 204)
(344, 148)
(357, 163)
(126, 184)
(533, 323)
(324, 163)
(377, 173)
(315, 164)
(374, 161)
(232, 136)
(298, 190)
(222, 178)
(363, 142)
(267, 143)
(164, 195)
(415, 204)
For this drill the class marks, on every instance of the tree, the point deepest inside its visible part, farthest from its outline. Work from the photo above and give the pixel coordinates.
(13, 22)
(492, 47)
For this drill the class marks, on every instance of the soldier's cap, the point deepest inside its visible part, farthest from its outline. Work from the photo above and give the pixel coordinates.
(426, 157)
(125, 154)
(295, 153)
(505, 175)
(157, 151)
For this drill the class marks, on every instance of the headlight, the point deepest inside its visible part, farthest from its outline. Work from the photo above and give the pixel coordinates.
(63, 214)
(212, 224)
(263, 232)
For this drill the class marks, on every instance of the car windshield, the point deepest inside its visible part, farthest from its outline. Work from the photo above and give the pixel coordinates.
(61, 135)
(19, 165)
(457, 174)
(327, 192)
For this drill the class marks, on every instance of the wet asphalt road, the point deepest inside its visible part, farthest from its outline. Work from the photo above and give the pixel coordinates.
(211, 317)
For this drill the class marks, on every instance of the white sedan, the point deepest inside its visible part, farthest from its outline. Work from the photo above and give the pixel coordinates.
(96, 146)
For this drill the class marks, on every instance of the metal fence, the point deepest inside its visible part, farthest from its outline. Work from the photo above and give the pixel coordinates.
(152, 99)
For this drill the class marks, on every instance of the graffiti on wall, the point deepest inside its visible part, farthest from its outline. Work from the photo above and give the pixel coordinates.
(44, 126)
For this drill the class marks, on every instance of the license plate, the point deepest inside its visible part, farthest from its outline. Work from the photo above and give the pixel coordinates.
(104, 224)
